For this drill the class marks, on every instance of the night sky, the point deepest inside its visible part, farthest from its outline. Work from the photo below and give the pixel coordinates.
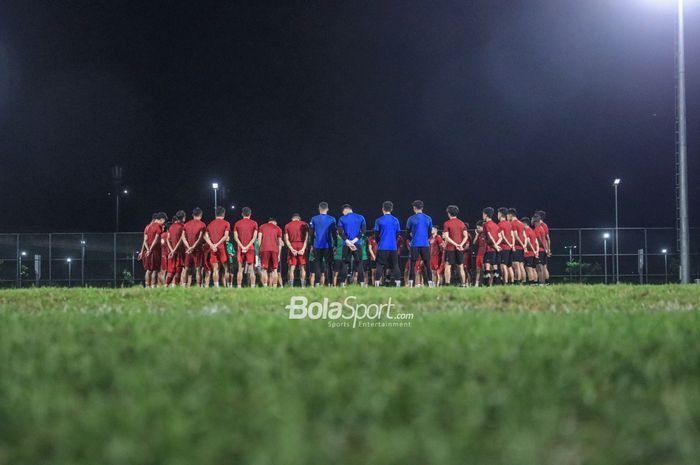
(532, 104)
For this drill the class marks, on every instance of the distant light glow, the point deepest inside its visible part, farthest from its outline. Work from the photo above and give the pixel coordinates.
(69, 260)
(215, 185)
(24, 254)
(126, 191)
(606, 235)
(616, 181)
(233, 207)
(664, 251)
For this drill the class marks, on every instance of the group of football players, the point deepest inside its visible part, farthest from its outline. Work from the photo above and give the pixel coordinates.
(502, 249)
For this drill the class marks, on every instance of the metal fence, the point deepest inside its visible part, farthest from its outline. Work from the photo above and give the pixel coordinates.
(110, 259)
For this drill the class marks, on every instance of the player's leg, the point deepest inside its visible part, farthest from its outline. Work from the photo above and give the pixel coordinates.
(396, 271)
(250, 258)
(448, 267)
(379, 269)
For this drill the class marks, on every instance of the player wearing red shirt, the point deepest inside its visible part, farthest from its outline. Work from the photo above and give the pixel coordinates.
(507, 243)
(164, 254)
(372, 249)
(456, 237)
(150, 249)
(532, 249)
(245, 231)
(492, 235)
(176, 251)
(270, 239)
(296, 236)
(547, 243)
(541, 234)
(480, 243)
(194, 255)
(437, 248)
(216, 236)
(518, 250)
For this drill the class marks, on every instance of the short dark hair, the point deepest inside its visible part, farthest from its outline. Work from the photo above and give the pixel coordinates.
(155, 216)
(347, 205)
(163, 216)
(296, 215)
(196, 211)
(246, 211)
(418, 204)
(536, 217)
(180, 215)
(323, 205)
(272, 218)
(167, 225)
(220, 211)
(488, 211)
(452, 210)
(503, 211)
(525, 220)
(388, 206)
(541, 213)
(480, 223)
(513, 211)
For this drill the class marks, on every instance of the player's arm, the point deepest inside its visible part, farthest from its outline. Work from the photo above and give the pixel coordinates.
(292, 250)
(465, 238)
(409, 230)
(493, 241)
(306, 242)
(522, 244)
(449, 240)
(187, 244)
(548, 246)
(256, 234)
(225, 238)
(238, 241)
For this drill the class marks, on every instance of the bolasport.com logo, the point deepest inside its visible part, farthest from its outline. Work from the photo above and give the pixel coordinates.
(349, 313)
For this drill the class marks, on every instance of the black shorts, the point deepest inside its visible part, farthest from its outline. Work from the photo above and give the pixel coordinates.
(542, 258)
(454, 257)
(338, 265)
(505, 257)
(530, 262)
(518, 255)
(490, 258)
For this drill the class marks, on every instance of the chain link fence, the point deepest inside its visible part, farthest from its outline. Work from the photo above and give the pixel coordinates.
(581, 255)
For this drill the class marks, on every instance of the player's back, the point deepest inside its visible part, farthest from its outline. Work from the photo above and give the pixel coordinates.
(217, 229)
(246, 229)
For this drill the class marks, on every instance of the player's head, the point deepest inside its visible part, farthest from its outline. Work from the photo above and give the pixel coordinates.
(166, 226)
(502, 213)
(246, 212)
(526, 221)
(347, 208)
(452, 211)
(417, 206)
(512, 214)
(323, 208)
(487, 213)
(155, 216)
(388, 206)
(181, 215)
(542, 214)
(272, 220)
(197, 213)
(480, 225)
(434, 231)
(296, 217)
(536, 219)
(220, 212)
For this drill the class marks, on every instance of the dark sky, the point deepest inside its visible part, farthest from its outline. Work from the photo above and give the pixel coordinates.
(532, 104)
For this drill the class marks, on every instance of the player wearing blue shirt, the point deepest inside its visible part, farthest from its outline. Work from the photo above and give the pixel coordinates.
(322, 229)
(386, 228)
(351, 227)
(418, 230)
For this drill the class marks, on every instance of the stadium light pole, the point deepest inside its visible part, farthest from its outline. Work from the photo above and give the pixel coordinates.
(215, 186)
(70, 262)
(616, 274)
(606, 236)
(665, 252)
(682, 151)
(82, 262)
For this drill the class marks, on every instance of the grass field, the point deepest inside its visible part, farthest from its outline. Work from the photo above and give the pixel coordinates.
(557, 375)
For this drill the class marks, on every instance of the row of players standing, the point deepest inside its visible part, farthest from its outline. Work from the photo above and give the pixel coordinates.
(509, 251)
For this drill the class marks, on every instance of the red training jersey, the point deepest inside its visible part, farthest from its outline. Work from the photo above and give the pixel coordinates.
(372, 241)
(436, 245)
(246, 229)
(217, 229)
(506, 228)
(152, 231)
(519, 229)
(481, 243)
(174, 234)
(193, 228)
(532, 237)
(297, 232)
(490, 227)
(455, 228)
(271, 234)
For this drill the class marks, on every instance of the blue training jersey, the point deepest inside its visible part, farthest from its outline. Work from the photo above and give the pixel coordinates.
(387, 227)
(351, 224)
(323, 227)
(419, 225)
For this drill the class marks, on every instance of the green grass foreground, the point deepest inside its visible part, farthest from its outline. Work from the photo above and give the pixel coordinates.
(556, 375)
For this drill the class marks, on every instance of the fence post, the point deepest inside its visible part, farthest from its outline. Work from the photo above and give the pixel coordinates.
(646, 258)
(580, 267)
(50, 258)
(18, 263)
(115, 260)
